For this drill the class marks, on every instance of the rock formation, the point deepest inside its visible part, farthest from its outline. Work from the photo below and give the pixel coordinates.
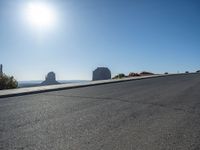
(50, 79)
(101, 73)
(1, 69)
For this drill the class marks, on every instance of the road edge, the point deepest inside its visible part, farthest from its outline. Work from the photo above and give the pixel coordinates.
(43, 89)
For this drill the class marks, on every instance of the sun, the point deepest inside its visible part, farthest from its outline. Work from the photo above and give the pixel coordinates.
(40, 15)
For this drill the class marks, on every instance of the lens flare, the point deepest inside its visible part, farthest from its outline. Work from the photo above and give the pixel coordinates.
(40, 15)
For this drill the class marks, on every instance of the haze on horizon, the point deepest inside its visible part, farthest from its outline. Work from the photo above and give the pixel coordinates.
(73, 37)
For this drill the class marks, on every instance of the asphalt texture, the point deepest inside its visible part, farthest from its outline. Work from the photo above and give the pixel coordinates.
(150, 114)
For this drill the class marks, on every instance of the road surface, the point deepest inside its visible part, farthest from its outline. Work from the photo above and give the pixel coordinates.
(151, 114)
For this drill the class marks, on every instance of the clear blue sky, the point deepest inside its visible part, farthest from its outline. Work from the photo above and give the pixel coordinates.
(124, 35)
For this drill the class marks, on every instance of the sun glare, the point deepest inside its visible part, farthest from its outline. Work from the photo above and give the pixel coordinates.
(40, 15)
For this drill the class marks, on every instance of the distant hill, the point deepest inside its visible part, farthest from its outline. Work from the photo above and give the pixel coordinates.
(35, 83)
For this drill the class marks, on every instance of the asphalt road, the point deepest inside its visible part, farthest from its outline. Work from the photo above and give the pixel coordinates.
(151, 114)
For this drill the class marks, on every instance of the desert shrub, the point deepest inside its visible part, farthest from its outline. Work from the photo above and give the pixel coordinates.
(132, 74)
(146, 73)
(7, 82)
(119, 76)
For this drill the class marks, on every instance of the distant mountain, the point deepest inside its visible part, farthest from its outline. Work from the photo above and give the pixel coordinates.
(35, 83)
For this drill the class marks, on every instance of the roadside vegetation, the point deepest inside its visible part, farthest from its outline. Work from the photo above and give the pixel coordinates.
(7, 82)
(132, 74)
(119, 76)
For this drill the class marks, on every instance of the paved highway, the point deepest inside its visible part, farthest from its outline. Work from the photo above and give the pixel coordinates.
(151, 114)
